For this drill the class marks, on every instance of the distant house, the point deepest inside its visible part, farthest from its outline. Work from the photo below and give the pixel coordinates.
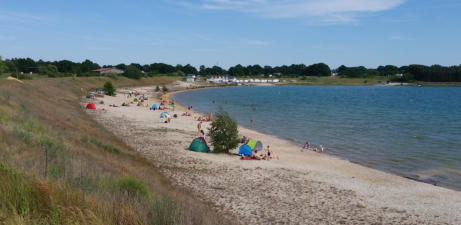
(190, 78)
(107, 70)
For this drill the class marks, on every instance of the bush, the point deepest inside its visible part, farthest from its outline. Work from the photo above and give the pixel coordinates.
(157, 89)
(132, 72)
(223, 133)
(164, 88)
(109, 88)
(133, 187)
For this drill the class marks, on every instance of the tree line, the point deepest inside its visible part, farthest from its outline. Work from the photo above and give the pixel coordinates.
(435, 73)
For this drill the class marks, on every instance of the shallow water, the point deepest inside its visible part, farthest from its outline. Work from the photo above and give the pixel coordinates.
(410, 131)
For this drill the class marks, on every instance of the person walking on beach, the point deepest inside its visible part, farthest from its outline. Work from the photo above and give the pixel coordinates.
(252, 124)
(199, 126)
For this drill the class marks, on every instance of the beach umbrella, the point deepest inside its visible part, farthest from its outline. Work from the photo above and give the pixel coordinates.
(163, 115)
(154, 106)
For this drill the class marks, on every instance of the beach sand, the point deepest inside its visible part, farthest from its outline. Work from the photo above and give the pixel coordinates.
(302, 187)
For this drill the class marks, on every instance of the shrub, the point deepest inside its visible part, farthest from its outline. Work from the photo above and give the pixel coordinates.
(157, 89)
(164, 88)
(132, 72)
(133, 187)
(223, 133)
(109, 88)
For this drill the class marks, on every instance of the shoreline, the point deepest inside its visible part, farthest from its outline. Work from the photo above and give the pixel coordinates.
(334, 183)
(169, 95)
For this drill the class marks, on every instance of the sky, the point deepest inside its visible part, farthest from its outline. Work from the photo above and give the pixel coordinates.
(230, 32)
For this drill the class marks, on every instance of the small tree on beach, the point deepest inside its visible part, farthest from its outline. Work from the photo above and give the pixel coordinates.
(164, 88)
(223, 133)
(109, 88)
(157, 89)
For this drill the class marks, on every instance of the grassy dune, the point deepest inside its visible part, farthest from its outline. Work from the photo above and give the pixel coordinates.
(58, 166)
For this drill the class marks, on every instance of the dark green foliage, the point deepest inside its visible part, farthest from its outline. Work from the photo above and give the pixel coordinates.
(49, 70)
(157, 88)
(436, 73)
(164, 88)
(319, 69)
(132, 72)
(109, 88)
(223, 133)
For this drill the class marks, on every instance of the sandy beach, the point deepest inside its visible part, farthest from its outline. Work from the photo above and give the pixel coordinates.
(302, 187)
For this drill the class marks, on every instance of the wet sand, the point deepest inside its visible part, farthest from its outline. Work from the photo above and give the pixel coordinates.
(302, 187)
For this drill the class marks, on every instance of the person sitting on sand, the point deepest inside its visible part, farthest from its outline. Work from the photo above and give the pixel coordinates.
(243, 139)
(254, 156)
(306, 146)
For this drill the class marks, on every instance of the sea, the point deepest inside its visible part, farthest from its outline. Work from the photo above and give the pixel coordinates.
(414, 132)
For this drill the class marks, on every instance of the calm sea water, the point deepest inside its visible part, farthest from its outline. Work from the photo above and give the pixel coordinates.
(410, 131)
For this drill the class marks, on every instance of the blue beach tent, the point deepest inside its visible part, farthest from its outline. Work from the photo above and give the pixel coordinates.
(154, 106)
(245, 150)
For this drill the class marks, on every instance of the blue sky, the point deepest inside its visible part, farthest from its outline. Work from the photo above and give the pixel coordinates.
(228, 32)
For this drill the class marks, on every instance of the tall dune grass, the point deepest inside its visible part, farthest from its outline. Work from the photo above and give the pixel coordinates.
(58, 166)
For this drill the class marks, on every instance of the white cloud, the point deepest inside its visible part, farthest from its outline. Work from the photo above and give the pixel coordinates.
(329, 11)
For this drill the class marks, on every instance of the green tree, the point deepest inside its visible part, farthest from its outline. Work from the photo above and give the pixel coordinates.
(49, 70)
(109, 89)
(132, 72)
(164, 88)
(157, 89)
(223, 133)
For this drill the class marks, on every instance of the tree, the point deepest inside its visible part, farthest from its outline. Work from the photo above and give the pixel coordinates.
(223, 133)
(132, 72)
(109, 89)
(189, 69)
(49, 70)
(88, 66)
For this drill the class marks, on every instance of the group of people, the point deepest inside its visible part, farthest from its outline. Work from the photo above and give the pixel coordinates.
(308, 147)
(208, 117)
(266, 154)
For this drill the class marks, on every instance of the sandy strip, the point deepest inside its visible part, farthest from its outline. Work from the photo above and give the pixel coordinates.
(300, 188)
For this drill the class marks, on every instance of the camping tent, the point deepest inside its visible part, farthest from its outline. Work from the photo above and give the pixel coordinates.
(255, 145)
(258, 146)
(91, 106)
(154, 106)
(198, 145)
(245, 150)
(163, 115)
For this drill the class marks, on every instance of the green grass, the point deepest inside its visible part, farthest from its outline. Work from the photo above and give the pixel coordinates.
(105, 146)
(55, 168)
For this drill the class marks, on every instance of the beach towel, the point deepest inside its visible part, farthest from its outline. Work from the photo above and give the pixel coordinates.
(248, 158)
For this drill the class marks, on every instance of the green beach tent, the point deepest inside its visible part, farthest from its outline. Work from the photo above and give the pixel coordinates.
(199, 145)
(255, 145)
